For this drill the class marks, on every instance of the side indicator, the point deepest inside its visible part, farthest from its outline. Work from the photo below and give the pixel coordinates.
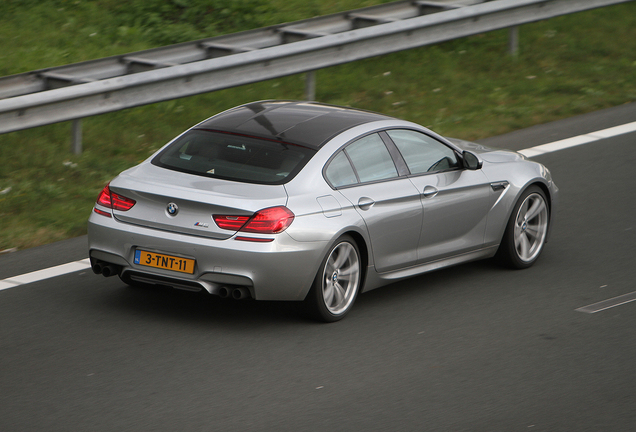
(497, 186)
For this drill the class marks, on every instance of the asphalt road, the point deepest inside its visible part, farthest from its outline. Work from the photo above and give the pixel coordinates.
(471, 348)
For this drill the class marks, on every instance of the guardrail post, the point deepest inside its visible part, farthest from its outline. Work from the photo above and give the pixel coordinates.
(76, 132)
(513, 41)
(310, 85)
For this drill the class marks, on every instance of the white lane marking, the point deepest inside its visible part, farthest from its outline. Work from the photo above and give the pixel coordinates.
(529, 152)
(45, 274)
(609, 303)
(579, 140)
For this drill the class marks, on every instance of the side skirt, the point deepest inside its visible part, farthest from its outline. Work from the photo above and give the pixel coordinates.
(376, 280)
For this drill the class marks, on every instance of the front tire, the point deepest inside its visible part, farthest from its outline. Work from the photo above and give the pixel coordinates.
(526, 230)
(337, 282)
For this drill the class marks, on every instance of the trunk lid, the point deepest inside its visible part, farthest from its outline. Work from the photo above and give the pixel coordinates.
(193, 200)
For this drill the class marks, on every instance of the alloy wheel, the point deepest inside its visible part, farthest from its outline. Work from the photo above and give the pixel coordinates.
(531, 226)
(341, 277)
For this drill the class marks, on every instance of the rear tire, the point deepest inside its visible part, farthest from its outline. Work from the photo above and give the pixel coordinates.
(526, 231)
(337, 282)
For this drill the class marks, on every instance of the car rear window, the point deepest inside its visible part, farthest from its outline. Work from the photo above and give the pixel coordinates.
(234, 157)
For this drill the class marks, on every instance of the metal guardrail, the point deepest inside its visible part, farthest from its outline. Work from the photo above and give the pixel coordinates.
(85, 89)
(189, 52)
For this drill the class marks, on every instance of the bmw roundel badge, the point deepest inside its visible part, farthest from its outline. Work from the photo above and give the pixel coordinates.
(172, 209)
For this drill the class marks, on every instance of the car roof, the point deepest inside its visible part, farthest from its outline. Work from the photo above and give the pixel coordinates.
(309, 124)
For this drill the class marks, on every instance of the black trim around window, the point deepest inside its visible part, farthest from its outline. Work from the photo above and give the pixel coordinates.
(398, 160)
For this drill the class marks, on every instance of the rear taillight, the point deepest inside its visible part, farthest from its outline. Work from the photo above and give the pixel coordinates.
(271, 220)
(104, 197)
(112, 200)
(120, 202)
(233, 223)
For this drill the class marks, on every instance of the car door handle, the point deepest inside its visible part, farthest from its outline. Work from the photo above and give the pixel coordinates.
(430, 192)
(365, 203)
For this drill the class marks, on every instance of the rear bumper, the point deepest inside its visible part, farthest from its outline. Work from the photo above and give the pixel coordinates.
(282, 269)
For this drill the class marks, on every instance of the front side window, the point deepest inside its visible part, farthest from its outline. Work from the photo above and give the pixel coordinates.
(234, 157)
(422, 153)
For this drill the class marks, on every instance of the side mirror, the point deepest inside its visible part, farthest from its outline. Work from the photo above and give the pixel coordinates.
(472, 161)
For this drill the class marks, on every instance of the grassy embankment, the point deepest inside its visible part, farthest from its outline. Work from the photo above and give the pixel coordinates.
(468, 88)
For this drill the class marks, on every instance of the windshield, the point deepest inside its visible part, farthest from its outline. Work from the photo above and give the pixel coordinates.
(234, 157)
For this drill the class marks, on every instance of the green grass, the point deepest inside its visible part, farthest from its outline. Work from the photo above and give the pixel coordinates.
(469, 88)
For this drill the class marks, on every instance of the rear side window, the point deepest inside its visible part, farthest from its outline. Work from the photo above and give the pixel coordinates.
(234, 157)
(339, 172)
(371, 159)
(371, 162)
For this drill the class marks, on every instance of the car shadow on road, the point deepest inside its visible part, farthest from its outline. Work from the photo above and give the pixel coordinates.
(168, 304)
(200, 308)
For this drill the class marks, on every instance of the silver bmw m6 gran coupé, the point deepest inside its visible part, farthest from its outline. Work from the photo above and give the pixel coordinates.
(287, 200)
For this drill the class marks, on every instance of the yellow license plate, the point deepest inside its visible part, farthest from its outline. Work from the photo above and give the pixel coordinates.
(168, 262)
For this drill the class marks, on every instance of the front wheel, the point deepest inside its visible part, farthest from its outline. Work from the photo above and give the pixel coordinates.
(526, 231)
(337, 282)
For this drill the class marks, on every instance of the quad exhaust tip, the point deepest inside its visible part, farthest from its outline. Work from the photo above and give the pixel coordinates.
(237, 293)
(240, 293)
(106, 269)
